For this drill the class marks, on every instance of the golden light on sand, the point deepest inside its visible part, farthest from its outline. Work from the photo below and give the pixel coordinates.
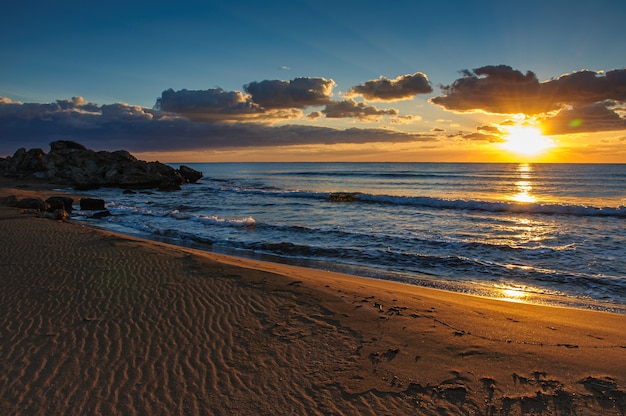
(526, 141)
(512, 294)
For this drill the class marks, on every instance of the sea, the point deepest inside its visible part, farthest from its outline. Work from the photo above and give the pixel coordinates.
(539, 233)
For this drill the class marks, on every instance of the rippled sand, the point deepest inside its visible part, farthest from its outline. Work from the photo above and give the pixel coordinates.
(98, 323)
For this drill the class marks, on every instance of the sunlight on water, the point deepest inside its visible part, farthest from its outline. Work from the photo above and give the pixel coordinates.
(524, 185)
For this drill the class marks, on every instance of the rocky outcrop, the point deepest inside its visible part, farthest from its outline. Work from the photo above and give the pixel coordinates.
(189, 175)
(70, 163)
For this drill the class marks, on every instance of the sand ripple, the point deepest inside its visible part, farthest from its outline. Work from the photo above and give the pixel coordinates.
(91, 323)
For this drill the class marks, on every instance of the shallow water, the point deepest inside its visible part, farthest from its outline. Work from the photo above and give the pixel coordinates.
(541, 233)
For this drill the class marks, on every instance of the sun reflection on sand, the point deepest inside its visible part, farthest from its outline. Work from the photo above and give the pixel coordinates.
(513, 294)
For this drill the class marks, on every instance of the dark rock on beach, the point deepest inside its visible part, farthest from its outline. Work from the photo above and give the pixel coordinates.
(36, 204)
(59, 202)
(92, 204)
(70, 163)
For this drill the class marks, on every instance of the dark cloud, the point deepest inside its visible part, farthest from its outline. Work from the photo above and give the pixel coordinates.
(122, 126)
(383, 89)
(494, 89)
(480, 136)
(587, 87)
(490, 134)
(350, 108)
(585, 119)
(298, 93)
(489, 129)
(207, 104)
(503, 90)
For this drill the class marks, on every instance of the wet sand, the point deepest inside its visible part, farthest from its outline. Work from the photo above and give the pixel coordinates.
(92, 322)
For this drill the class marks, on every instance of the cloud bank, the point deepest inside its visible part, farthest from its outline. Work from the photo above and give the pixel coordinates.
(123, 126)
(583, 101)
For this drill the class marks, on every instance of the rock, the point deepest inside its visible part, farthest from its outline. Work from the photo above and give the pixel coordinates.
(100, 214)
(32, 203)
(92, 204)
(9, 201)
(24, 163)
(343, 196)
(60, 202)
(70, 163)
(65, 145)
(60, 215)
(189, 175)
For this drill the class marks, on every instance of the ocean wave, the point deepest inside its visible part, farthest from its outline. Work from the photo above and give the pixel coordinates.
(442, 203)
(473, 205)
(120, 210)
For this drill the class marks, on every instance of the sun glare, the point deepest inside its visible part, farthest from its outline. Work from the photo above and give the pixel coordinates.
(526, 141)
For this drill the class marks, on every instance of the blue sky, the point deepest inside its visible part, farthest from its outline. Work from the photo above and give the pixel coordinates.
(128, 53)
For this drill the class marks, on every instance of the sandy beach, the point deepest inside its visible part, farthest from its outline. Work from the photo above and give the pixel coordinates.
(97, 323)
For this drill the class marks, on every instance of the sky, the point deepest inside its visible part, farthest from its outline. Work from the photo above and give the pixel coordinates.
(213, 81)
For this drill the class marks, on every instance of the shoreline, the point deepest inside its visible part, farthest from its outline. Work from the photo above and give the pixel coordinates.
(98, 322)
(511, 293)
(508, 293)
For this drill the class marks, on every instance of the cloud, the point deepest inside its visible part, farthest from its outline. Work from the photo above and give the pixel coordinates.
(480, 136)
(350, 108)
(123, 126)
(208, 104)
(503, 90)
(587, 87)
(585, 119)
(494, 89)
(298, 93)
(383, 89)
(489, 129)
(490, 134)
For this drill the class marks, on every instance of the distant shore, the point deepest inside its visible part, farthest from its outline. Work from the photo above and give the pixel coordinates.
(93, 322)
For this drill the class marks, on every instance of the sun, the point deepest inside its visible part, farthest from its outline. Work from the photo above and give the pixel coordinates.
(526, 141)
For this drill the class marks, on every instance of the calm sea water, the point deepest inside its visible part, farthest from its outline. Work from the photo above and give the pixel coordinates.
(551, 233)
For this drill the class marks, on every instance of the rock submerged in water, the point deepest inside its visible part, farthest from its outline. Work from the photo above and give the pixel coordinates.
(92, 204)
(70, 163)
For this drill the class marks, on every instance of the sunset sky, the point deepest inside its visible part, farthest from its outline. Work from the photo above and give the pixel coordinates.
(489, 81)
